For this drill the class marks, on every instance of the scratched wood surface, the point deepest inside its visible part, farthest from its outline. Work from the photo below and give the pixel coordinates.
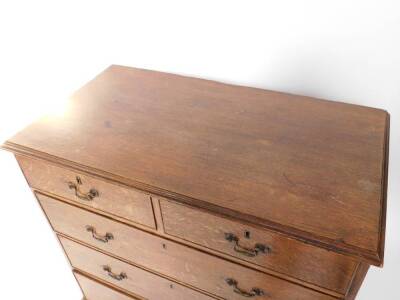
(311, 168)
(184, 264)
(307, 263)
(137, 281)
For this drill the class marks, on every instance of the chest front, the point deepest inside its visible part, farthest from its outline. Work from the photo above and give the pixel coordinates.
(160, 186)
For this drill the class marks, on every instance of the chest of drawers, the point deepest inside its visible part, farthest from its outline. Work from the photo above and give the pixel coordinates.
(160, 186)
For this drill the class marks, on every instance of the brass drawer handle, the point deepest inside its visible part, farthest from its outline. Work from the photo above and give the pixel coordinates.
(255, 292)
(89, 196)
(258, 248)
(118, 277)
(102, 238)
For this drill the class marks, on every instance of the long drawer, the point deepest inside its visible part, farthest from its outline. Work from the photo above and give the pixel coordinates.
(130, 204)
(184, 264)
(126, 276)
(258, 246)
(97, 291)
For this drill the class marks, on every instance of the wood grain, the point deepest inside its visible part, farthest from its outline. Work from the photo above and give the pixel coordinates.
(138, 281)
(179, 262)
(311, 264)
(310, 168)
(94, 290)
(118, 200)
(358, 279)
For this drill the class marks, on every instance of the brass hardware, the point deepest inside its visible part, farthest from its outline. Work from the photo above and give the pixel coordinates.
(255, 292)
(95, 235)
(118, 277)
(89, 196)
(258, 248)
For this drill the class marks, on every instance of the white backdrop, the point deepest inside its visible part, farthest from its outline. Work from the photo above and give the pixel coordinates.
(340, 50)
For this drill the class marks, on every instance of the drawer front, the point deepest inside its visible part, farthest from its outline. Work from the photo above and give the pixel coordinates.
(206, 272)
(126, 276)
(97, 291)
(117, 200)
(261, 247)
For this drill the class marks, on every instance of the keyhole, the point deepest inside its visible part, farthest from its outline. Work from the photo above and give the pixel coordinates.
(247, 234)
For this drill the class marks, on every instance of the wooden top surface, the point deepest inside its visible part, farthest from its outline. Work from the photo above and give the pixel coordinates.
(311, 168)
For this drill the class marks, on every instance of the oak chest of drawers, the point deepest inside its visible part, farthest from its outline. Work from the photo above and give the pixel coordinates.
(160, 186)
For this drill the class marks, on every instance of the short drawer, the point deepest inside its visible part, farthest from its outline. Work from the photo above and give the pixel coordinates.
(184, 264)
(126, 276)
(118, 200)
(258, 246)
(94, 290)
